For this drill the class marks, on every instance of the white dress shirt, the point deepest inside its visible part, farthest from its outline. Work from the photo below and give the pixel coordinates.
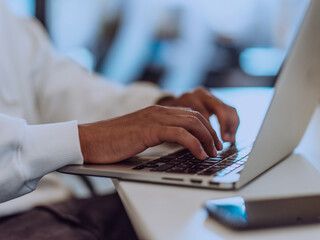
(42, 98)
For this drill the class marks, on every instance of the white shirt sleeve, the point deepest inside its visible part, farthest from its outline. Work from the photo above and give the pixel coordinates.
(29, 152)
(51, 89)
(66, 91)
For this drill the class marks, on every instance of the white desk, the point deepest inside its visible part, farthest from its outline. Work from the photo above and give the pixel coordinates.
(170, 212)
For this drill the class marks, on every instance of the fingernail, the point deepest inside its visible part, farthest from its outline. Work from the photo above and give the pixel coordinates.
(203, 153)
(220, 146)
(227, 137)
(214, 151)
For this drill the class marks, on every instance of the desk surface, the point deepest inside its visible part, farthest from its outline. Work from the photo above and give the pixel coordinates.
(170, 212)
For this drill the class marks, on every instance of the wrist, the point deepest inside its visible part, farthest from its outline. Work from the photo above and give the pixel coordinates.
(83, 142)
(166, 101)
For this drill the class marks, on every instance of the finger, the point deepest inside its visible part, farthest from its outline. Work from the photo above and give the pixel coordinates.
(193, 101)
(213, 133)
(229, 124)
(195, 127)
(231, 127)
(199, 107)
(209, 101)
(182, 137)
(186, 111)
(227, 117)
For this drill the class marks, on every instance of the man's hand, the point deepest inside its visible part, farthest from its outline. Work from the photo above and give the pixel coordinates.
(119, 138)
(202, 101)
(183, 120)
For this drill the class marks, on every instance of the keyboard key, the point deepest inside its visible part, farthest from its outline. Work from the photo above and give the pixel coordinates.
(178, 153)
(217, 158)
(181, 160)
(138, 167)
(205, 164)
(174, 162)
(233, 157)
(210, 171)
(229, 151)
(151, 165)
(168, 157)
(193, 170)
(212, 160)
(219, 167)
(184, 165)
(176, 170)
(201, 167)
(195, 161)
(164, 160)
(223, 164)
(162, 168)
(153, 161)
(228, 161)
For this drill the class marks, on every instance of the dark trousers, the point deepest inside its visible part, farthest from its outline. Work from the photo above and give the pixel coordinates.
(100, 217)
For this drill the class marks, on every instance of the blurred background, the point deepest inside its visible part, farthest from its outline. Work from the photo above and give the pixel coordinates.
(178, 44)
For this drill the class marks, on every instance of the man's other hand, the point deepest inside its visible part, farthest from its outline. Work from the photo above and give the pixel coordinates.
(204, 102)
(116, 139)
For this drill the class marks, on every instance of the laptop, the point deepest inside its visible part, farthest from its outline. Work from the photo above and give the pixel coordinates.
(296, 95)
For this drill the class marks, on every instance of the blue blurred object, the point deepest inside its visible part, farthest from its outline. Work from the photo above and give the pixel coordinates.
(22, 7)
(178, 44)
(83, 57)
(232, 210)
(261, 61)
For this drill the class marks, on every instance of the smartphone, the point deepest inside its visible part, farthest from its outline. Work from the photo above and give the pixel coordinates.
(241, 214)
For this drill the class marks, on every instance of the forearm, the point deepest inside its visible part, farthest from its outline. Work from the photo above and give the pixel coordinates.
(74, 93)
(28, 152)
(65, 91)
(62, 90)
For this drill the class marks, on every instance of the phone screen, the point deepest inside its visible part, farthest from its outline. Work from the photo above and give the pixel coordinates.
(238, 213)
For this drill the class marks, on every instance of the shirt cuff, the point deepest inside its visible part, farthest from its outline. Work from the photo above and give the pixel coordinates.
(49, 147)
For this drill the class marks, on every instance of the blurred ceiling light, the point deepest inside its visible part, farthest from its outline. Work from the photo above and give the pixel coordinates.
(261, 61)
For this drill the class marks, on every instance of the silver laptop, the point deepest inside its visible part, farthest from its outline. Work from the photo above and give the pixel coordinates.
(295, 98)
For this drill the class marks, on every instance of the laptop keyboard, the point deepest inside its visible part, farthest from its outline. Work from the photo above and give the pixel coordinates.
(184, 162)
